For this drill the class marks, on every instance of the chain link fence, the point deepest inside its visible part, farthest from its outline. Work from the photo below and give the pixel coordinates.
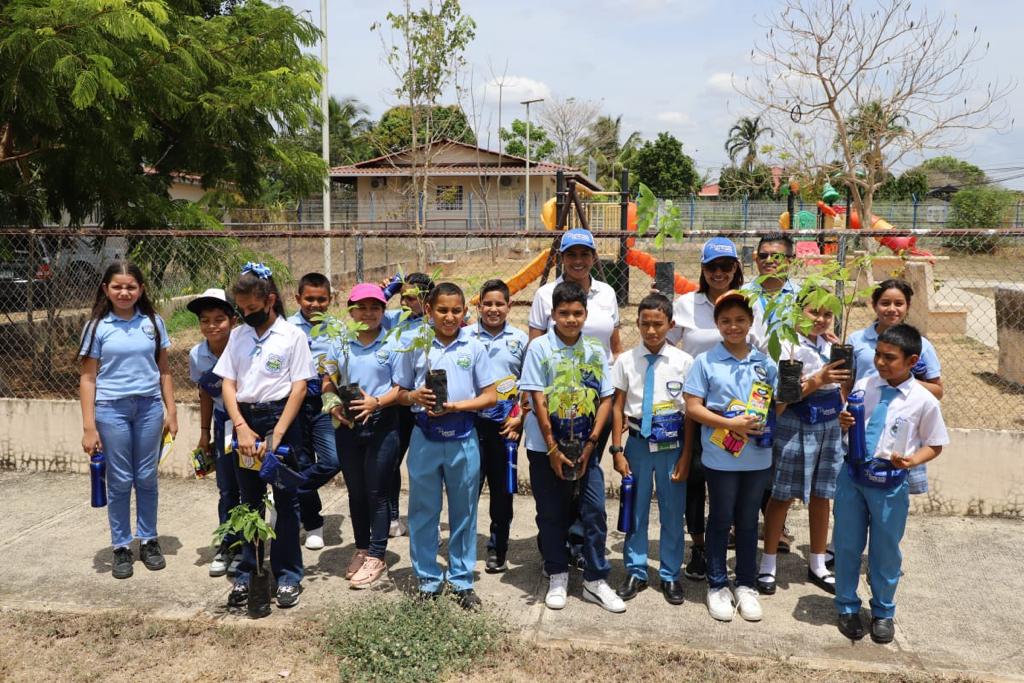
(969, 297)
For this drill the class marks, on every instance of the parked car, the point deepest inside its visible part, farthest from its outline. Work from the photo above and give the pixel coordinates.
(62, 271)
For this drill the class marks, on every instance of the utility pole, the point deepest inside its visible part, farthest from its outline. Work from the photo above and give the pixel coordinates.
(326, 139)
(528, 103)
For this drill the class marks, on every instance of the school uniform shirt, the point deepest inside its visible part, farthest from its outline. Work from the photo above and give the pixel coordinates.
(264, 368)
(759, 330)
(505, 351)
(670, 371)
(864, 343)
(318, 346)
(126, 353)
(464, 361)
(200, 367)
(538, 374)
(372, 366)
(813, 354)
(913, 404)
(695, 330)
(720, 378)
(393, 315)
(602, 312)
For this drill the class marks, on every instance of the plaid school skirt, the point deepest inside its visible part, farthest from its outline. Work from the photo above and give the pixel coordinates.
(807, 458)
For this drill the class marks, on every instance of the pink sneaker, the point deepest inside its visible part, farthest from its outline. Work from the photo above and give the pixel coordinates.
(372, 570)
(357, 561)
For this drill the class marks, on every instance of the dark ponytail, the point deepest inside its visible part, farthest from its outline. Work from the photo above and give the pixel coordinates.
(252, 284)
(101, 307)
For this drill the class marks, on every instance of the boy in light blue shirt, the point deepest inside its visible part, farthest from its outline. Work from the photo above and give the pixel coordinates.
(555, 478)
(506, 348)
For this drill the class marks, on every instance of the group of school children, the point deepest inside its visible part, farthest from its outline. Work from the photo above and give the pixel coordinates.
(675, 421)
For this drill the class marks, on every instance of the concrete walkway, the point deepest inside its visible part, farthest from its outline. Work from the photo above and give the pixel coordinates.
(960, 602)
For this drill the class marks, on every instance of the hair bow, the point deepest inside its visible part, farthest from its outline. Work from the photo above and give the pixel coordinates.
(258, 269)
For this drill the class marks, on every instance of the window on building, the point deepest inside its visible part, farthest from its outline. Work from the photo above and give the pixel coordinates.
(448, 198)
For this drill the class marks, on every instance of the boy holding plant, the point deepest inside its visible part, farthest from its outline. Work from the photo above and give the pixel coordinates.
(569, 373)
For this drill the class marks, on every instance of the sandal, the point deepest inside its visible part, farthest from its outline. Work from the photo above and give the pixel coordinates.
(765, 587)
(826, 583)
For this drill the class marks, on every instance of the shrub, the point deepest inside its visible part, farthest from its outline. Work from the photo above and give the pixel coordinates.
(410, 640)
(980, 208)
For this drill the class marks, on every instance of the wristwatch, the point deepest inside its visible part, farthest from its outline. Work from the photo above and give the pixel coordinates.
(615, 450)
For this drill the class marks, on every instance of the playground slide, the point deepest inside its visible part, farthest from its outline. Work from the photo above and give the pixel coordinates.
(527, 274)
(905, 243)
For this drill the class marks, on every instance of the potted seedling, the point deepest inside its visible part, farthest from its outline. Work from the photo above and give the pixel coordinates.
(572, 403)
(842, 304)
(248, 523)
(343, 333)
(422, 339)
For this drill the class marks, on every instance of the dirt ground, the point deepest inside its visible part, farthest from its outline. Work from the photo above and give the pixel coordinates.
(116, 646)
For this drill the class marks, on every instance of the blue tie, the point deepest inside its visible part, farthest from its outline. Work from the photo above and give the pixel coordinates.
(647, 421)
(877, 420)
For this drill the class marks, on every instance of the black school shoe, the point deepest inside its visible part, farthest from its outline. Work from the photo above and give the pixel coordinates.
(239, 595)
(630, 587)
(697, 568)
(152, 557)
(882, 630)
(765, 587)
(123, 560)
(288, 596)
(823, 582)
(851, 626)
(496, 564)
(673, 592)
(468, 600)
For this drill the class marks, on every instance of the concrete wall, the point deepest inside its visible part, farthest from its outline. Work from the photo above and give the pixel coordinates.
(980, 472)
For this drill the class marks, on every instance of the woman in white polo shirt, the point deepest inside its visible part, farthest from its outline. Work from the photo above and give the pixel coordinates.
(695, 332)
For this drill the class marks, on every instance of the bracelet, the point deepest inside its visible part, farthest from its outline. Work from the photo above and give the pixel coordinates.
(592, 440)
(553, 449)
(240, 424)
(204, 429)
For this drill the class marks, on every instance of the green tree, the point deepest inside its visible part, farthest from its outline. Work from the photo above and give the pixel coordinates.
(103, 101)
(541, 146)
(910, 184)
(349, 126)
(983, 208)
(603, 142)
(947, 170)
(736, 182)
(664, 168)
(743, 137)
(394, 131)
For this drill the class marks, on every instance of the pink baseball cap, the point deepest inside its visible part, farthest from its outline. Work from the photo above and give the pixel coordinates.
(367, 290)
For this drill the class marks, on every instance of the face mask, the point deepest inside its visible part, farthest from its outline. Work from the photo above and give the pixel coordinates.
(256, 318)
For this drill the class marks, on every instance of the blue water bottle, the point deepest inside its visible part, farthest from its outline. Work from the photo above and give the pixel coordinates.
(98, 479)
(767, 437)
(857, 443)
(511, 466)
(626, 493)
(393, 287)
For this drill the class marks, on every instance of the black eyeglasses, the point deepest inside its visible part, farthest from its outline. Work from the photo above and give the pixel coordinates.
(769, 255)
(723, 266)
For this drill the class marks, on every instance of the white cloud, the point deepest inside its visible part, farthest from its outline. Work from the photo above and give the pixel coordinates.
(675, 118)
(514, 89)
(720, 82)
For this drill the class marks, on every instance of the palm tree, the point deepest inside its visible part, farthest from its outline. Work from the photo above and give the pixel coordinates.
(602, 143)
(743, 138)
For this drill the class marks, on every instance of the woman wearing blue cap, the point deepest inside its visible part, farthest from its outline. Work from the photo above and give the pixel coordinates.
(695, 332)
(579, 255)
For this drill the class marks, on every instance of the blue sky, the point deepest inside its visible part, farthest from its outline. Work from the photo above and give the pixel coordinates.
(664, 65)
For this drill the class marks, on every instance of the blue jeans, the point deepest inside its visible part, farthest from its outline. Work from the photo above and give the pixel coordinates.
(285, 553)
(556, 513)
(858, 509)
(493, 468)
(454, 468)
(734, 500)
(319, 461)
(369, 463)
(227, 480)
(653, 472)
(130, 430)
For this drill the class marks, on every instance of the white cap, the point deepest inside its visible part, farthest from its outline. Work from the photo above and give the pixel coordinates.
(214, 296)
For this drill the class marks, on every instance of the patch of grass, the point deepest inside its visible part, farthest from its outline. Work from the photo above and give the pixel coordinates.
(181, 319)
(410, 640)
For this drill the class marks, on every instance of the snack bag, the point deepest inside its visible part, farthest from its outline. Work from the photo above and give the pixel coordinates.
(728, 441)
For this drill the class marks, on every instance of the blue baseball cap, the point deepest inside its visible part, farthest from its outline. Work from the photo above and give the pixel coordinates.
(716, 248)
(579, 237)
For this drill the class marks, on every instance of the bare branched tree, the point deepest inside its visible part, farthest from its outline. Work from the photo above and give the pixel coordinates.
(567, 121)
(851, 91)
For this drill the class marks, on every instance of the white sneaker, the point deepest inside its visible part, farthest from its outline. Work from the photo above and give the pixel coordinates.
(558, 589)
(599, 592)
(315, 539)
(747, 603)
(397, 529)
(720, 603)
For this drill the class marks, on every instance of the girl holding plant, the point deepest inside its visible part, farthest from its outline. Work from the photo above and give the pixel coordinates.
(362, 357)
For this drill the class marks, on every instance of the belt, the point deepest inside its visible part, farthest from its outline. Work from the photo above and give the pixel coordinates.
(265, 407)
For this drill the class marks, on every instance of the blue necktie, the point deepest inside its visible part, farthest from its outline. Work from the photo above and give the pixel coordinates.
(877, 420)
(647, 421)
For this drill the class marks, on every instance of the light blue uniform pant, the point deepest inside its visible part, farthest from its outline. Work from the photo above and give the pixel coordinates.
(859, 510)
(455, 465)
(652, 472)
(130, 430)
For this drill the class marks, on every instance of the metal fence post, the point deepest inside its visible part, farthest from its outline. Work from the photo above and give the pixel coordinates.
(359, 259)
(913, 222)
(693, 208)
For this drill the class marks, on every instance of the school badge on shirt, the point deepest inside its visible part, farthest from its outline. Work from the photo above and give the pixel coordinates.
(514, 345)
(382, 356)
(149, 330)
(464, 360)
(274, 364)
(674, 388)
